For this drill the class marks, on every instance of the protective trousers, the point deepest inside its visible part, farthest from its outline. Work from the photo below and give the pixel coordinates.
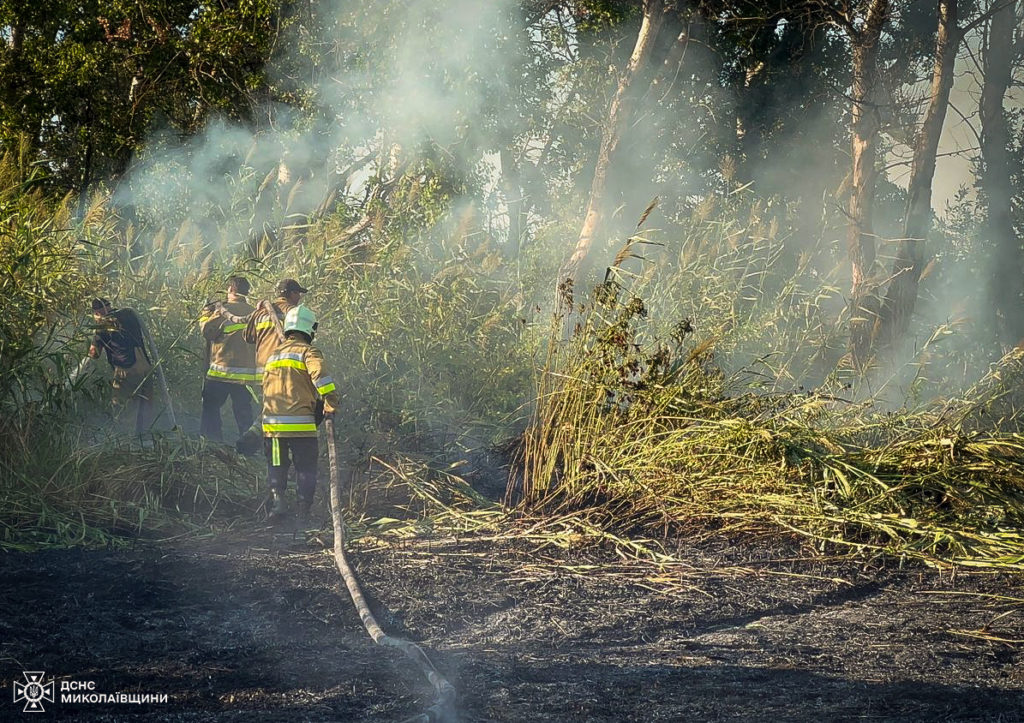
(134, 386)
(303, 452)
(215, 393)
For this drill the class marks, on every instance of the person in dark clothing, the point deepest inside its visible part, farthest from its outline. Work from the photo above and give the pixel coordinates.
(119, 334)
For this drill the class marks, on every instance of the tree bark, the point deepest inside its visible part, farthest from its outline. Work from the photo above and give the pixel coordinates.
(901, 296)
(619, 114)
(17, 37)
(515, 198)
(1007, 290)
(866, 123)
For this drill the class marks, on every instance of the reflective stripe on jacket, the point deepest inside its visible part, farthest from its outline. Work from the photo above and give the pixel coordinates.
(260, 331)
(294, 379)
(231, 359)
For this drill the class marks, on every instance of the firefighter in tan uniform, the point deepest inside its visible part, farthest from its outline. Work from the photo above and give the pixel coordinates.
(260, 329)
(261, 332)
(232, 364)
(295, 381)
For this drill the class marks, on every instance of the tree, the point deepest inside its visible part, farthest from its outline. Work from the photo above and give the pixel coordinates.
(1000, 50)
(619, 114)
(87, 81)
(864, 34)
(901, 295)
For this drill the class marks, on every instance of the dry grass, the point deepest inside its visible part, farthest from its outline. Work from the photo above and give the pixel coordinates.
(667, 402)
(641, 436)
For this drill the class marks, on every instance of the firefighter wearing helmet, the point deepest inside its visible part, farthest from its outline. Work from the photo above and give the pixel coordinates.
(232, 363)
(295, 383)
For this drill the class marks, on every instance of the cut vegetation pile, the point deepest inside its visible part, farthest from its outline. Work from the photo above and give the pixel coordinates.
(638, 435)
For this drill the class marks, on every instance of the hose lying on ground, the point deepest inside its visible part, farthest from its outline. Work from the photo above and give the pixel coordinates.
(443, 709)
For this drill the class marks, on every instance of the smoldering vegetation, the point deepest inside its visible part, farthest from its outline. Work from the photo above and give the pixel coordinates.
(424, 170)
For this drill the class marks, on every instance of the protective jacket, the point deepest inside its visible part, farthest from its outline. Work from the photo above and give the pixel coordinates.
(121, 338)
(231, 358)
(261, 332)
(294, 380)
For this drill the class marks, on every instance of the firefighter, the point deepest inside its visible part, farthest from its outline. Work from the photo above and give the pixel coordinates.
(260, 329)
(120, 335)
(232, 363)
(295, 384)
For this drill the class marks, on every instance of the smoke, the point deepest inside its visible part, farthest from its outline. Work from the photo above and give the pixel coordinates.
(382, 82)
(364, 91)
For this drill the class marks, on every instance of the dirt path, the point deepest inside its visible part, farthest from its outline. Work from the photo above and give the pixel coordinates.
(253, 627)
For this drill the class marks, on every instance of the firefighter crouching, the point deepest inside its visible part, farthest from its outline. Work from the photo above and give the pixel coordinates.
(120, 336)
(294, 382)
(232, 363)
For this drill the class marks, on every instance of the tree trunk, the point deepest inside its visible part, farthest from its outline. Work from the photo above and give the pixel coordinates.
(906, 272)
(994, 181)
(83, 196)
(866, 122)
(512, 188)
(17, 37)
(619, 114)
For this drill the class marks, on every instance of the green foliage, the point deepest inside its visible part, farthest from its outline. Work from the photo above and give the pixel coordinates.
(42, 282)
(58, 491)
(57, 484)
(86, 82)
(427, 336)
(369, 160)
(643, 433)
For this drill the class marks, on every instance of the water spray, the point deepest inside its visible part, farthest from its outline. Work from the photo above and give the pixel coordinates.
(82, 368)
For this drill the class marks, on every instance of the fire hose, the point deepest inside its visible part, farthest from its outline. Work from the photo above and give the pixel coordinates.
(78, 372)
(158, 365)
(443, 709)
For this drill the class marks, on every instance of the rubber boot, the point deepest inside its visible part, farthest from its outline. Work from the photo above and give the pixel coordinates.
(278, 508)
(251, 440)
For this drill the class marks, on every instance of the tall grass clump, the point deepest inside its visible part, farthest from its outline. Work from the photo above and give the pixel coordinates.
(61, 480)
(72, 492)
(648, 426)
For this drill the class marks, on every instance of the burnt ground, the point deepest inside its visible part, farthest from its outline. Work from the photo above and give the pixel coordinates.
(255, 626)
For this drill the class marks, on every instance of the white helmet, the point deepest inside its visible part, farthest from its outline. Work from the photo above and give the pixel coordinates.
(300, 318)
